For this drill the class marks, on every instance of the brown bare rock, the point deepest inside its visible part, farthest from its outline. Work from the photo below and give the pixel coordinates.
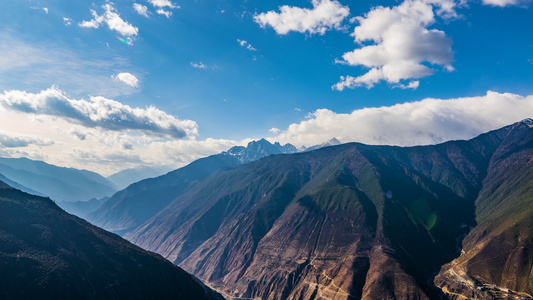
(360, 222)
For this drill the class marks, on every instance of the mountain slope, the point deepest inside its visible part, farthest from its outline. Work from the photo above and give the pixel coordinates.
(497, 255)
(18, 186)
(82, 208)
(46, 253)
(131, 207)
(60, 184)
(349, 221)
(126, 177)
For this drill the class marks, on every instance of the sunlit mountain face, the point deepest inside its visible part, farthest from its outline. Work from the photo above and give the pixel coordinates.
(274, 149)
(355, 221)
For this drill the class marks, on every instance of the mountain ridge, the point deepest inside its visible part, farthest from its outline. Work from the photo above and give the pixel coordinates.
(46, 253)
(279, 227)
(122, 213)
(58, 183)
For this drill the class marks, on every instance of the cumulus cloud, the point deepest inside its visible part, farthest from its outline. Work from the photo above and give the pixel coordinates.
(113, 21)
(166, 13)
(163, 4)
(396, 44)
(65, 141)
(11, 140)
(412, 85)
(246, 45)
(107, 151)
(423, 122)
(127, 78)
(502, 3)
(68, 21)
(324, 15)
(275, 130)
(141, 9)
(98, 112)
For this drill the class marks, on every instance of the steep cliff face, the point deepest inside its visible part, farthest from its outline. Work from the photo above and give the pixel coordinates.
(351, 221)
(46, 253)
(497, 256)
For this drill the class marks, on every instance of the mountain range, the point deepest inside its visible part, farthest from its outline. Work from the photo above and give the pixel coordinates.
(126, 177)
(58, 183)
(129, 208)
(266, 221)
(45, 253)
(350, 221)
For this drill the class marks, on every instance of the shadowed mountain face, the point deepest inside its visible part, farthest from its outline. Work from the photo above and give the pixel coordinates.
(355, 221)
(131, 207)
(497, 256)
(46, 253)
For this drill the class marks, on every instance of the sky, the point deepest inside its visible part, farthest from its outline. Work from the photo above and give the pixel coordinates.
(106, 86)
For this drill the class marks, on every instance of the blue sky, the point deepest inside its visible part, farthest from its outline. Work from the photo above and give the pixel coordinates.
(201, 76)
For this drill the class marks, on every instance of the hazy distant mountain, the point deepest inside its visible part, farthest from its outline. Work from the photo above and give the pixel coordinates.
(332, 142)
(82, 208)
(126, 177)
(60, 184)
(362, 222)
(19, 186)
(46, 253)
(134, 205)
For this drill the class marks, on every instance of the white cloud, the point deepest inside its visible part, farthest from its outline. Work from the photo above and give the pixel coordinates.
(98, 112)
(275, 130)
(10, 140)
(246, 45)
(502, 3)
(325, 15)
(166, 13)
(68, 21)
(39, 8)
(113, 21)
(141, 9)
(402, 45)
(127, 78)
(415, 123)
(199, 65)
(163, 4)
(98, 149)
(412, 85)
